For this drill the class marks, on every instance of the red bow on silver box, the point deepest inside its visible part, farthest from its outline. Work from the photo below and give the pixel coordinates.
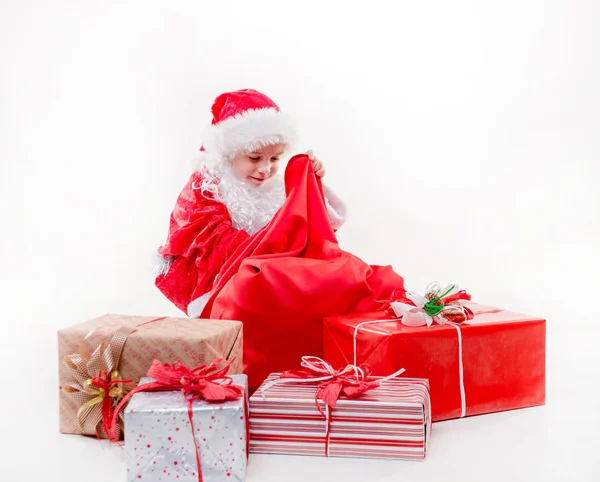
(205, 382)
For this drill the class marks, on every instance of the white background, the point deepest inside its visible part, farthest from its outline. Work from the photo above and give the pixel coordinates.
(463, 135)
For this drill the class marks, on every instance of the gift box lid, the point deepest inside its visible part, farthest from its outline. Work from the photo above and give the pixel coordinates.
(395, 392)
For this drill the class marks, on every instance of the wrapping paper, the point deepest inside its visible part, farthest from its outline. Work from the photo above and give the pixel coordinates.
(193, 342)
(159, 442)
(503, 357)
(391, 421)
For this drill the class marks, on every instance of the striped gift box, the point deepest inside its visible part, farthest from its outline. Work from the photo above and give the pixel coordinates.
(392, 421)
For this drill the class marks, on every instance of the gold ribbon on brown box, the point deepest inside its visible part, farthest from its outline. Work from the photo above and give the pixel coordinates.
(96, 383)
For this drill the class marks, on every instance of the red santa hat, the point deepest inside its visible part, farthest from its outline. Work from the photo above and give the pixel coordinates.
(245, 120)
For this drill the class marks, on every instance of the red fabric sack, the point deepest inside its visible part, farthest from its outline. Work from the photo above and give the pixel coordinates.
(286, 278)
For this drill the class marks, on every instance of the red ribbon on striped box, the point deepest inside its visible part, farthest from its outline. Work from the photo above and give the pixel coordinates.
(347, 412)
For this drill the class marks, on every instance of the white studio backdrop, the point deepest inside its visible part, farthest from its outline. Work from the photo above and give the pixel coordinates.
(463, 135)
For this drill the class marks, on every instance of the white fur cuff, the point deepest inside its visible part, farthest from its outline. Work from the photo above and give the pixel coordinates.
(337, 210)
(194, 309)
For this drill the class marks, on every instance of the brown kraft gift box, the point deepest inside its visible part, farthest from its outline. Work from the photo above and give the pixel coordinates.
(109, 355)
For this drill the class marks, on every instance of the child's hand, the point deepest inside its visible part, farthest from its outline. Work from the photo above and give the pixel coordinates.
(316, 164)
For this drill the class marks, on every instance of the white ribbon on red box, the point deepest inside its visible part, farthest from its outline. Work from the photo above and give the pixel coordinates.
(423, 311)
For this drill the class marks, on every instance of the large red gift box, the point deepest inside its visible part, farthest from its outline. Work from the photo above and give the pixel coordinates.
(493, 362)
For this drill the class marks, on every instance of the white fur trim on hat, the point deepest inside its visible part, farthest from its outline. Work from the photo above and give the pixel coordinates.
(248, 131)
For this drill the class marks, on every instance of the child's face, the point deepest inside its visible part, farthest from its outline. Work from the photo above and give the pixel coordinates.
(258, 166)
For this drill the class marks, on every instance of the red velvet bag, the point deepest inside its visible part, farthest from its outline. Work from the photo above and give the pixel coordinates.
(290, 275)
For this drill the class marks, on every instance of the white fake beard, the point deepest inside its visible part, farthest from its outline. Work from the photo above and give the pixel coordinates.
(251, 208)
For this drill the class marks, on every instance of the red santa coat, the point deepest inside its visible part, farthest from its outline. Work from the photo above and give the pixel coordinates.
(201, 238)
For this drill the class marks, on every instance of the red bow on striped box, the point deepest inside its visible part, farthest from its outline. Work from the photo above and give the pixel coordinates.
(347, 412)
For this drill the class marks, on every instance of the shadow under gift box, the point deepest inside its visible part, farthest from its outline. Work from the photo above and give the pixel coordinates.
(503, 357)
(193, 342)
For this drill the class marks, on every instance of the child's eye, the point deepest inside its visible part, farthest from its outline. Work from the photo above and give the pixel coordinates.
(274, 159)
(254, 158)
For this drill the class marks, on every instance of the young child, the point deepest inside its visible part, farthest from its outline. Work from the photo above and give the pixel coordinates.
(235, 191)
